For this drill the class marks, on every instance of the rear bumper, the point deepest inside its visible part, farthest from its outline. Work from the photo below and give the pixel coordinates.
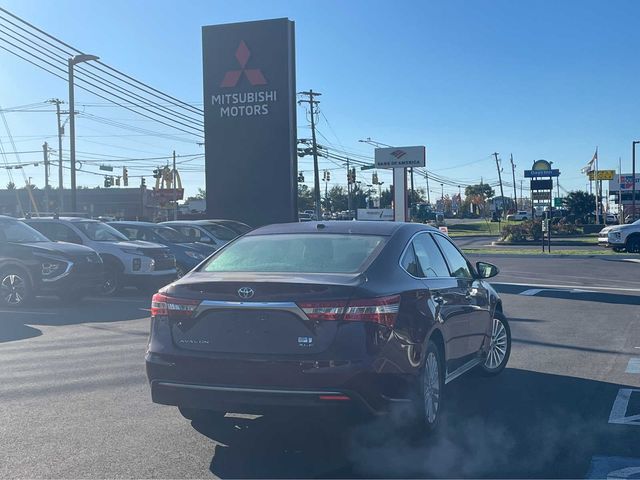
(252, 400)
(250, 386)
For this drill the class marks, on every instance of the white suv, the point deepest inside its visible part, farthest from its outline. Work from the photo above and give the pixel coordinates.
(520, 215)
(145, 265)
(621, 237)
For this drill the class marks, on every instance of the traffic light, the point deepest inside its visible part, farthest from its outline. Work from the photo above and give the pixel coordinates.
(374, 178)
(301, 177)
(117, 181)
(125, 176)
(143, 182)
(351, 175)
(328, 176)
(157, 173)
(108, 182)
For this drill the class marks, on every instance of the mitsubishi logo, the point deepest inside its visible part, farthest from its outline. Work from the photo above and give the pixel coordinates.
(245, 292)
(254, 75)
(398, 153)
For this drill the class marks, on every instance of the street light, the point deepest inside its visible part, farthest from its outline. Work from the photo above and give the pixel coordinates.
(72, 123)
(633, 180)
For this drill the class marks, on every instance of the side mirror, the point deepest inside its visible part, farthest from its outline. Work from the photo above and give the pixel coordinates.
(486, 270)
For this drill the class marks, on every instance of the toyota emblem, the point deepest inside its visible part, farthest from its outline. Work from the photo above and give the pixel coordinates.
(245, 292)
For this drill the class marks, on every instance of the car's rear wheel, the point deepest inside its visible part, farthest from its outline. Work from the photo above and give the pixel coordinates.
(15, 288)
(499, 348)
(633, 244)
(431, 388)
(199, 415)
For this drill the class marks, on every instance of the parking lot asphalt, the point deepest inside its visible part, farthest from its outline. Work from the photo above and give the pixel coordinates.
(74, 401)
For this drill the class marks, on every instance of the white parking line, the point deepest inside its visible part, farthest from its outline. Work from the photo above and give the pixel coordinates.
(619, 410)
(531, 292)
(634, 365)
(615, 289)
(614, 467)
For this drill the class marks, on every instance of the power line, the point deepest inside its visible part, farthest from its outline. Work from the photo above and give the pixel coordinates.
(81, 80)
(107, 69)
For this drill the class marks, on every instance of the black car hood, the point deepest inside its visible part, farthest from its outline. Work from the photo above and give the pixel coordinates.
(56, 248)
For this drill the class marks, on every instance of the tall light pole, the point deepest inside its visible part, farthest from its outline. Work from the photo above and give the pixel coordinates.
(634, 214)
(72, 123)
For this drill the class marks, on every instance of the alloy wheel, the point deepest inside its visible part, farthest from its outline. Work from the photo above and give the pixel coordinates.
(110, 284)
(498, 346)
(431, 388)
(14, 289)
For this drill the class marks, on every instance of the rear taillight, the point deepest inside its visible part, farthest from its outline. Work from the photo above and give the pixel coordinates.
(165, 306)
(332, 310)
(381, 310)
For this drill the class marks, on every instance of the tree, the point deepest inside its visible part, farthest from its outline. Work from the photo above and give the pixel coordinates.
(11, 186)
(201, 195)
(305, 197)
(476, 196)
(581, 204)
(338, 199)
(482, 189)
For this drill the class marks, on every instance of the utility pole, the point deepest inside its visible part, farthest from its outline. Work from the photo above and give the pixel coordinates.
(57, 102)
(175, 190)
(412, 194)
(495, 154)
(426, 176)
(513, 172)
(316, 180)
(45, 152)
(620, 207)
(521, 197)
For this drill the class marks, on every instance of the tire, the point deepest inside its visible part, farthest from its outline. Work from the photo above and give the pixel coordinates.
(112, 283)
(15, 288)
(429, 407)
(633, 244)
(498, 357)
(199, 415)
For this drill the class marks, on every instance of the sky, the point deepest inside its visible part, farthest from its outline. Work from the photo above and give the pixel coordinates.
(536, 79)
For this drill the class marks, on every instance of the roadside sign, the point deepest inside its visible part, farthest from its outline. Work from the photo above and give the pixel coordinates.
(400, 157)
(444, 230)
(602, 175)
(557, 202)
(375, 214)
(541, 184)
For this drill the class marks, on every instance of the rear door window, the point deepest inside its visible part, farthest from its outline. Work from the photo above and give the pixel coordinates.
(457, 263)
(410, 262)
(431, 260)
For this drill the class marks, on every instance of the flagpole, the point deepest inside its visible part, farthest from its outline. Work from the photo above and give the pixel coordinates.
(596, 180)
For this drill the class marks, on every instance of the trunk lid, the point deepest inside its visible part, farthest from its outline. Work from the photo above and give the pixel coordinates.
(258, 313)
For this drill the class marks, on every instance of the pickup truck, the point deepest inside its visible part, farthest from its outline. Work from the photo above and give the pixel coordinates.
(621, 237)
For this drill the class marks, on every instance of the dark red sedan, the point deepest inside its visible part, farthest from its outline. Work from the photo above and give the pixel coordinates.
(351, 314)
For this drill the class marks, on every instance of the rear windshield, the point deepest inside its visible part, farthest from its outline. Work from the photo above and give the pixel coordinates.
(297, 253)
(170, 235)
(219, 231)
(100, 232)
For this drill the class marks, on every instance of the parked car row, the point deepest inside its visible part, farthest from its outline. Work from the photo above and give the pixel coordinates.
(73, 257)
